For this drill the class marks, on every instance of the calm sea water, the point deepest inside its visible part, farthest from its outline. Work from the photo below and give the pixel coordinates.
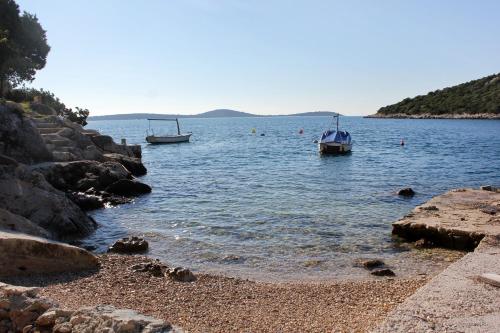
(270, 205)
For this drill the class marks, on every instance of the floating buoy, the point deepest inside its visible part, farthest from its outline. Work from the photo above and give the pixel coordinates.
(254, 131)
(402, 143)
(301, 131)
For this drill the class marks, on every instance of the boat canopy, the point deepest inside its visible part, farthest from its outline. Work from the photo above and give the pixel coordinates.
(342, 137)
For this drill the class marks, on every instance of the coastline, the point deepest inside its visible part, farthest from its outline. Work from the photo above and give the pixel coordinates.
(484, 116)
(210, 303)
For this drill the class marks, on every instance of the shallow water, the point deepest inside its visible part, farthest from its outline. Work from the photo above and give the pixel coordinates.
(270, 206)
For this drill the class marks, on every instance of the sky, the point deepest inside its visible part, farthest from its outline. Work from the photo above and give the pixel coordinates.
(262, 57)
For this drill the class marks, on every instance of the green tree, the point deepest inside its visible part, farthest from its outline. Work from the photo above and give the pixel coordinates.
(23, 45)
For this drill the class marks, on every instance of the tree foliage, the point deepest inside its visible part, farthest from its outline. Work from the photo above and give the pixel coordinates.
(474, 97)
(79, 115)
(23, 45)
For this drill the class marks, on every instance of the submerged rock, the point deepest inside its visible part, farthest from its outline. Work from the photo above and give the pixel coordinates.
(129, 245)
(372, 263)
(406, 192)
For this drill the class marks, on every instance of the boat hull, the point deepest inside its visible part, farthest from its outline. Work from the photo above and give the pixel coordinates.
(168, 139)
(334, 148)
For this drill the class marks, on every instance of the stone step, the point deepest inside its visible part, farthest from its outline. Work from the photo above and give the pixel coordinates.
(60, 143)
(62, 156)
(64, 149)
(90, 133)
(49, 130)
(51, 136)
(47, 125)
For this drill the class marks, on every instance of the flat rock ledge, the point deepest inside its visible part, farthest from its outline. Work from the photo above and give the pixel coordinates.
(458, 219)
(21, 310)
(456, 300)
(21, 254)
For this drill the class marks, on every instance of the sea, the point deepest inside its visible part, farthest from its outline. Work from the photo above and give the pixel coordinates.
(267, 205)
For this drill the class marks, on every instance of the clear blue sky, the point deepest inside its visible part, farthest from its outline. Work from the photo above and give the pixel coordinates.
(264, 57)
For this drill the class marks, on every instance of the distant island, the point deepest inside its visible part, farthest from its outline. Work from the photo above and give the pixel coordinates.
(478, 99)
(219, 113)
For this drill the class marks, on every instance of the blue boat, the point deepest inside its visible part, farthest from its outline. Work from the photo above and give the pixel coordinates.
(335, 141)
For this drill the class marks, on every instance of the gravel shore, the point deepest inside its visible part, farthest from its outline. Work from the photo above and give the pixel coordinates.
(222, 304)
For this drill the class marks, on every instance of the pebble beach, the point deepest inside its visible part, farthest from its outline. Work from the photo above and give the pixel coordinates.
(215, 303)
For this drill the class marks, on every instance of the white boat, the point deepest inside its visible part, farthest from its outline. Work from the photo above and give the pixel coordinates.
(335, 141)
(169, 138)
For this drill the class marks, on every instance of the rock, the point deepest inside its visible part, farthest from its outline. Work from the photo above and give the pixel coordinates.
(17, 223)
(47, 319)
(372, 263)
(424, 243)
(488, 188)
(133, 164)
(106, 143)
(108, 319)
(81, 175)
(383, 272)
(430, 208)
(86, 201)
(26, 193)
(21, 319)
(406, 192)
(63, 328)
(181, 274)
(129, 245)
(29, 313)
(23, 255)
(491, 210)
(23, 307)
(155, 269)
(128, 187)
(19, 137)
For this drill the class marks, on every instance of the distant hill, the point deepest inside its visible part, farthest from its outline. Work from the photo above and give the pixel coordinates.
(224, 113)
(219, 113)
(474, 99)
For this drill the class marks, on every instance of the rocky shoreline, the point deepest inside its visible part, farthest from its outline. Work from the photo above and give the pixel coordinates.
(490, 116)
(53, 170)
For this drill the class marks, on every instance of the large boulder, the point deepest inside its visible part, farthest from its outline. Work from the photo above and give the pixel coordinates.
(82, 175)
(26, 193)
(106, 143)
(13, 222)
(19, 137)
(23, 255)
(128, 187)
(133, 164)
